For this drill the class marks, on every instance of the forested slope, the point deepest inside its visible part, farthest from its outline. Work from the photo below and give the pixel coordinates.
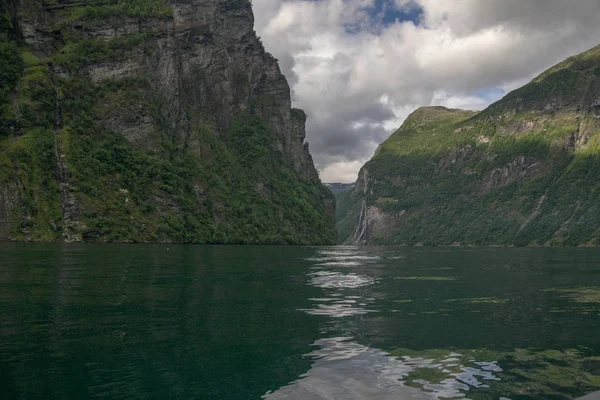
(150, 121)
(525, 171)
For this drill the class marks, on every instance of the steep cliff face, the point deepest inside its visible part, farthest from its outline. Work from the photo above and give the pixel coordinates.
(152, 120)
(525, 171)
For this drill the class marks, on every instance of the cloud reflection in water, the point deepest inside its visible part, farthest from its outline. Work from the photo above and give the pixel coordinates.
(345, 369)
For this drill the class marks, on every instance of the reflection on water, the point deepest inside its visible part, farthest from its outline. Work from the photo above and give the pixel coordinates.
(342, 258)
(337, 280)
(244, 322)
(337, 302)
(344, 369)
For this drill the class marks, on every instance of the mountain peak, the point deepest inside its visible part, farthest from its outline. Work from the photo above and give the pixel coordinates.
(433, 114)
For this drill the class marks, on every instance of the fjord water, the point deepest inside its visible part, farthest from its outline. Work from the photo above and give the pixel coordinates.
(228, 322)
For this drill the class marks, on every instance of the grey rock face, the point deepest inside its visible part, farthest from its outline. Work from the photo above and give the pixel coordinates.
(206, 63)
(193, 69)
(215, 40)
(516, 171)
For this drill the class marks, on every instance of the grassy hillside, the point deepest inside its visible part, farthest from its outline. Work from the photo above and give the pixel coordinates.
(522, 172)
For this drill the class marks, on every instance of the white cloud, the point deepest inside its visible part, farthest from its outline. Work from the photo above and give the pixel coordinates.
(357, 79)
(342, 171)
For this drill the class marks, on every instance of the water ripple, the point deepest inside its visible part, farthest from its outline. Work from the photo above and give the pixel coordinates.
(336, 310)
(345, 369)
(329, 280)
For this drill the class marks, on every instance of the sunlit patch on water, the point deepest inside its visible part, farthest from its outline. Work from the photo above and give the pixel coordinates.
(580, 294)
(582, 300)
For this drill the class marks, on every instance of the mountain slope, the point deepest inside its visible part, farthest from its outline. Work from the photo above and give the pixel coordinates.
(525, 171)
(150, 120)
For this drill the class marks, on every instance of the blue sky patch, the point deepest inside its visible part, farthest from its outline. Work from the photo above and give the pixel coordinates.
(384, 13)
(388, 13)
(491, 94)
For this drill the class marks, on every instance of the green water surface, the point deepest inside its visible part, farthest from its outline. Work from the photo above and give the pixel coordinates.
(229, 322)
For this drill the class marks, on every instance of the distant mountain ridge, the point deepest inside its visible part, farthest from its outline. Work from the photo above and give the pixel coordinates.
(524, 171)
(339, 187)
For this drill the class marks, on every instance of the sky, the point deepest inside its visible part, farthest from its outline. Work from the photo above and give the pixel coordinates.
(360, 67)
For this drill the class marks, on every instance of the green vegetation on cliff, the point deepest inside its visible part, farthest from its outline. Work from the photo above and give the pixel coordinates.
(525, 171)
(107, 157)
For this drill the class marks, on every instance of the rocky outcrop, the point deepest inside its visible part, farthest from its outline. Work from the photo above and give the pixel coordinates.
(516, 171)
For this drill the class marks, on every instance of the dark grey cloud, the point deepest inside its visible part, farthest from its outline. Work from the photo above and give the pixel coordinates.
(344, 141)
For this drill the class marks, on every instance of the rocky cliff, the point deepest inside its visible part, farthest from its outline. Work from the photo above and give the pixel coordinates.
(525, 171)
(150, 120)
